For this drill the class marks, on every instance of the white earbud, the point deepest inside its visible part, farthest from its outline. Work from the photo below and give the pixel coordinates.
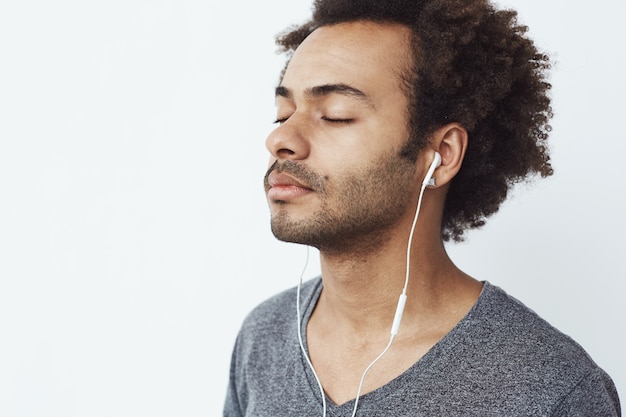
(428, 178)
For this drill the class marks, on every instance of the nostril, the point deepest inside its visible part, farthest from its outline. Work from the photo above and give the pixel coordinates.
(285, 151)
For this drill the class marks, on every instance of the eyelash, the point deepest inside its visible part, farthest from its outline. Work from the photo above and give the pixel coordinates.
(326, 119)
(346, 121)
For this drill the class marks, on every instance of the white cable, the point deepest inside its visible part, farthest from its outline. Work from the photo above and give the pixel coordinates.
(358, 394)
(299, 321)
(408, 246)
(399, 310)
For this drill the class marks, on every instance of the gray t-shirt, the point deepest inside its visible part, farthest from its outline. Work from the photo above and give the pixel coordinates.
(501, 359)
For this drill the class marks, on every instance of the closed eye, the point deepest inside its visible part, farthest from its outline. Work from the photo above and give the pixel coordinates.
(331, 120)
(280, 120)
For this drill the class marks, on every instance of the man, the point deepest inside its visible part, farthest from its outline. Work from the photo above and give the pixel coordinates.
(402, 124)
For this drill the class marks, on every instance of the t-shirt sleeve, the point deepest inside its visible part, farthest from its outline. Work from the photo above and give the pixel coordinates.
(595, 395)
(232, 408)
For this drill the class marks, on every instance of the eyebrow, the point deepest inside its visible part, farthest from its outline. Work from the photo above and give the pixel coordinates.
(325, 90)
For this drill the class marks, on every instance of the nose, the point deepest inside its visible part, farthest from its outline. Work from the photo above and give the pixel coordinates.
(288, 142)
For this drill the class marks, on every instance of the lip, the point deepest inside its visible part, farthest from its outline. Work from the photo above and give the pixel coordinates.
(283, 187)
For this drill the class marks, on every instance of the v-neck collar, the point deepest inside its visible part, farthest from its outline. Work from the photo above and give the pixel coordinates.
(444, 347)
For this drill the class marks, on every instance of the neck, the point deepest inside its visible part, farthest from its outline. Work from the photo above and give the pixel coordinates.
(361, 291)
(352, 319)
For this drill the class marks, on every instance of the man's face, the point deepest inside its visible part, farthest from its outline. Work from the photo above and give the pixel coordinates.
(336, 177)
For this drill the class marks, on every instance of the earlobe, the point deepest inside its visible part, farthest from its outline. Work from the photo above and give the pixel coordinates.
(450, 141)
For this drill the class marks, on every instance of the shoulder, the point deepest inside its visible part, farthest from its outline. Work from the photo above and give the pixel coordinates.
(508, 325)
(528, 354)
(510, 329)
(594, 395)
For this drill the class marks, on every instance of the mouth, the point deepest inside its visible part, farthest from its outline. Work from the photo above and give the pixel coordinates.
(276, 179)
(281, 187)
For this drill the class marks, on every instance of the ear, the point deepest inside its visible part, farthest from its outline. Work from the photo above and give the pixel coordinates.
(451, 143)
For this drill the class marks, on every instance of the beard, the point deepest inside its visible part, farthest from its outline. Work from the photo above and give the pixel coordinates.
(357, 209)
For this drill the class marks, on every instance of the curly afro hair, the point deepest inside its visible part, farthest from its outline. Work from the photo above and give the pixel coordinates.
(473, 65)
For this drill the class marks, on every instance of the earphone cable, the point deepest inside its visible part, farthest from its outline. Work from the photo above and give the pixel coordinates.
(396, 324)
(399, 309)
(299, 321)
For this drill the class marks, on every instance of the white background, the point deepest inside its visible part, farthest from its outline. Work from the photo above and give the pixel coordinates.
(133, 227)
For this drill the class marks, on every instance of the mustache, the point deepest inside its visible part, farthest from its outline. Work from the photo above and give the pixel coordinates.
(300, 172)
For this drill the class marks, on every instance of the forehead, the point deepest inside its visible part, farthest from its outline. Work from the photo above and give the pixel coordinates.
(367, 55)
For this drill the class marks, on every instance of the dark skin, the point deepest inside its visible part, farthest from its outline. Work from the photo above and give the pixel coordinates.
(364, 275)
